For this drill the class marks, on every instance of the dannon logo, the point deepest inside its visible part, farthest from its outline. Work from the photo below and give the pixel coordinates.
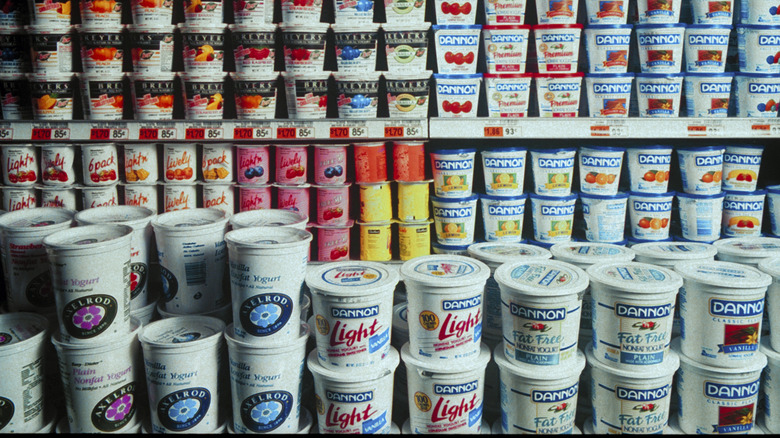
(743, 206)
(753, 160)
(466, 303)
(563, 87)
(588, 160)
(612, 40)
(343, 397)
(555, 163)
(730, 392)
(720, 40)
(642, 312)
(460, 388)
(558, 37)
(768, 40)
(654, 159)
(652, 206)
(458, 40)
(714, 87)
(642, 395)
(666, 39)
(554, 396)
(453, 165)
(715, 160)
(365, 312)
(754, 88)
(563, 210)
(512, 87)
(451, 212)
(659, 88)
(535, 314)
(738, 309)
(460, 90)
(506, 210)
(514, 38)
(612, 88)
(504, 163)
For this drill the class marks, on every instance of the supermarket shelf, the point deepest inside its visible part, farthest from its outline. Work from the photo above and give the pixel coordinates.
(582, 127)
(216, 130)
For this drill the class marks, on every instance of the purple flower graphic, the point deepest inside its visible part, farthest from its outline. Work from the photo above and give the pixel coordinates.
(88, 317)
(120, 408)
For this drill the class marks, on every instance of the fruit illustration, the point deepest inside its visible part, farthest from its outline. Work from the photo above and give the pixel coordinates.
(711, 176)
(348, 53)
(742, 175)
(773, 59)
(205, 53)
(508, 226)
(459, 58)
(537, 327)
(54, 174)
(22, 176)
(151, 4)
(104, 6)
(558, 408)
(215, 102)
(323, 102)
(179, 174)
(300, 54)
(710, 55)
(46, 102)
(659, 55)
(295, 171)
(645, 325)
(454, 180)
(252, 172)
(194, 6)
(105, 54)
(505, 178)
(646, 407)
(452, 228)
(744, 222)
(665, 5)
(653, 222)
(249, 101)
(333, 171)
(559, 178)
(63, 8)
(136, 175)
(103, 176)
(337, 253)
(770, 106)
(258, 54)
(456, 107)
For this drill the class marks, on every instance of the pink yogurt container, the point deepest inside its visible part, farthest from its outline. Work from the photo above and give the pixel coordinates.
(291, 164)
(254, 165)
(295, 198)
(332, 204)
(333, 242)
(254, 197)
(330, 164)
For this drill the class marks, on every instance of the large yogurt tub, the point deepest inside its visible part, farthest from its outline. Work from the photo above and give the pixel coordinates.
(557, 46)
(770, 391)
(610, 12)
(743, 213)
(721, 308)
(453, 171)
(659, 94)
(650, 215)
(506, 48)
(668, 254)
(503, 217)
(628, 401)
(605, 217)
(608, 46)
(715, 399)
(701, 169)
(455, 219)
(534, 402)
(552, 171)
(508, 94)
(709, 12)
(758, 46)
(660, 47)
(648, 168)
(708, 94)
(658, 11)
(552, 217)
(741, 164)
(599, 168)
(457, 94)
(700, 216)
(504, 170)
(609, 94)
(456, 48)
(773, 204)
(757, 94)
(268, 218)
(706, 47)
(747, 250)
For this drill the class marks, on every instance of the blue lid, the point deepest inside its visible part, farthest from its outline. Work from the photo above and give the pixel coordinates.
(454, 151)
(683, 239)
(758, 75)
(542, 244)
(634, 241)
(609, 26)
(709, 26)
(619, 195)
(720, 195)
(448, 76)
(758, 192)
(609, 75)
(700, 148)
(603, 148)
(504, 198)
(729, 74)
(553, 151)
(570, 197)
(505, 149)
(760, 26)
(455, 26)
(653, 146)
(473, 197)
(451, 247)
(773, 189)
(748, 146)
(659, 75)
(652, 195)
(659, 25)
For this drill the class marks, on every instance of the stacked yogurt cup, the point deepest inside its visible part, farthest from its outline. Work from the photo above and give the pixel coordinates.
(412, 199)
(603, 207)
(649, 201)
(552, 200)
(503, 204)
(702, 199)
(758, 81)
(454, 203)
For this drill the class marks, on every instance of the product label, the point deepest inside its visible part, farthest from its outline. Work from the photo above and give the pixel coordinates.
(736, 405)
(450, 407)
(6, 411)
(89, 316)
(264, 314)
(351, 413)
(553, 409)
(642, 410)
(353, 331)
(183, 409)
(115, 410)
(266, 411)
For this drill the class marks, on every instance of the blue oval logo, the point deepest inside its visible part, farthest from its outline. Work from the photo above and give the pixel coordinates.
(183, 409)
(169, 284)
(265, 314)
(266, 411)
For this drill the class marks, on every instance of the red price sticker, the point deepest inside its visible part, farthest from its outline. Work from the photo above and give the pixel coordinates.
(599, 131)
(394, 131)
(339, 132)
(761, 129)
(148, 134)
(494, 131)
(194, 134)
(41, 134)
(99, 134)
(242, 133)
(285, 133)
(695, 130)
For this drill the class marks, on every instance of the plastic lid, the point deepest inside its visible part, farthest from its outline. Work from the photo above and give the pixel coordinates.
(355, 375)
(252, 76)
(642, 372)
(455, 76)
(460, 366)
(88, 237)
(353, 278)
(609, 75)
(633, 277)
(454, 151)
(18, 327)
(569, 197)
(190, 330)
(651, 195)
(455, 248)
(609, 26)
(723, 274)
(757, 75)
(556, 26)
(545, 245)
(602, 148)
(759, 192)
(755, 247)
(456, 26)
(33, 219)
(473, 197)
(634, 241)
(773, 189)
(756, 364)
(400, 318)
(766, 348)
(253, 27)
(618, 195)
(676, 251)
(499, 252)
(267, 238)
(395, 76)
(503, 149)
(720, 195)
(504, 198)
(652, 146)
(544, 278)
(760, 26)
(590, 253)
(364, 28)
(126, 214)
(709, 26)
(267, 218)
(444, 271)
(771, 266)
(552, 151)
(532, 372)
(406, 27)
(659, 75)
(701, 148)
(659, 25)
(677, 238)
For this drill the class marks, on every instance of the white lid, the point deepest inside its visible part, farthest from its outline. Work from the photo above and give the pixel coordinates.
(771, 266)
(756, 364)
(499, 253)
(173, 332)
(95, 238)
(267, 218)
(675, 250)
(33, 219)
(400, 317)
(445, 271)
(754, 247)
(542, 278)
(353, 278)
(17, 327)
(635, 277)
(723, 274)
(458, 366)
(267, 238)
(666, 368)
(355, 375)
(186, 221)
(119, 214)
(588, 253)
(532, 372)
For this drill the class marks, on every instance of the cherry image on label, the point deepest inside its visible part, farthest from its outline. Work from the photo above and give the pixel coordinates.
(456, 107)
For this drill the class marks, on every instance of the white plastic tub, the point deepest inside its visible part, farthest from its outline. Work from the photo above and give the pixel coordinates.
(747, 250)
(506, 48)
(608, 45)
(560, 94)
(660, 47)
(701, 169)
(552, 217)
(758, 46)
(557, 46)
(606, 12)
(599, 168)
(406, 46)
(605, 217)
(669, 254)
(504, 170)
(648, 168)
(743, 213)
(456, 48)
(707, 12)
(457, 94)
(453, 171)
(553, 170)
(741, 166)
(609, 94)
(708, 94)
(659, 94)
(650, 215)
(508, 94)
(757, 94)
(455, 219)
(700, 216)
(706, 47)
(503, 217)
(652, 11)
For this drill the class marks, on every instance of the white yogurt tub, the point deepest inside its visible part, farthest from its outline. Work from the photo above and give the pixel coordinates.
(715, 399)
(650, 215)
(404, 11)
(639, 398)
(712, 12)
(659, 94)
(741, 165)
(445, 398)
(304, 47)
(655, 11)
(605, 217)
(453, 172)
(552, 217)
(534, 402)
(743, 213)
(700, 216)
(556, 11)
(457, 94)
(773, 203)
(759, 12)
(727, 335)
(610, 12)
(357, 95)
(558, 94)
(356, 48)
(307, 95)
(706, 47)
(460, 12)
(456, 48)
(506, 47)
(269, 218)
(508, 94)
(406, 47)
(747, 250)
(505, 12)
(669, 254)
(608, 46)
(609, 94)
(660, 47)
(648, 168)
(541, 305)
(552, 171)
(503, 217)
(708, 94)
(504, 170)
(585, 254)
(599, 168)
(408, 95)
(770, 392)
(757, 94)
(455, 219)
(701, 169)
(758, 48)
(557, 46)
(445, 295)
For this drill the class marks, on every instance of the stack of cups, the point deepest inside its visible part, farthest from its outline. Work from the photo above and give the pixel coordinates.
(292, 190)
(333, 221)
(376, 206)
(607, 39)
(743, 205)
(253, 176)
(413, 193)
(180, 176)
(457, 45)
(506, 82)
(15, 63)
(406, 47)
(631, 364)
(100, 175)
(503, 204)
(648, 175)
(552, 201)
(718, 384)
(20, 174)
(603, 207)
(97, 337)
(702, 200)
(357, 81)
(707, 86)
(58, 173)
(141, 175)
(757, 87)
(354, 362)
(217, 164)
(454, 204)
(444, 358)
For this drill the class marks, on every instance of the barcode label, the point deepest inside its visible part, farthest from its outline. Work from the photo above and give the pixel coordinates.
(704, 227)
(195, 273)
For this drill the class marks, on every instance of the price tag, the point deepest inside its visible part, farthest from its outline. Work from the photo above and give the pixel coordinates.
(494, 131)
(203, 133)
(50, 134)
(765, 129)
(288, 132)
(108, 134)
(157, 134)
(608, 131)
(251, 133)
(348, 131)
(394, 131)
(6, 133)
(705, 130)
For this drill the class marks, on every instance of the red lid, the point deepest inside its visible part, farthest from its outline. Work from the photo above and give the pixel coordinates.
(507, 75)
(578, 74)
(556, 26)
(506, 26)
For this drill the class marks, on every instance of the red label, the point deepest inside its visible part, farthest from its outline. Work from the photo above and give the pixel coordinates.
(99, 134)
(148, 134)
(195, 134)
(41, 134)
(285, 133)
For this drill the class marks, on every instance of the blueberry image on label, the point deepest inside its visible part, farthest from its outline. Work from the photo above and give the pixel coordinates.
(186, 337)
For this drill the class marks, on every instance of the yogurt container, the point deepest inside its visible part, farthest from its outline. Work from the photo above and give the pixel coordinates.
(408, 94)
(203, 13)
(370, 162)
(556, 11)
(102, 50)
(641, 398)
(375, 241)
(708, 94)
(59, 197)
(375, 204)
(608, 45)
(179, 197)
(741, 164)
(14, 105)
(770, 266)
(552, 171)
(609, 94)
(406, 47)
(557, 45)
(701, 169)
(605, 217)
(358, 95)
(18, 198)
(255, 95)
(268, 218)
(203, 96)
(356, 49)
(304, 47)
(294, 197)
(103, 96)
(103, 196)
(504, 171)
(558, 95)
(204, 48)
(99, 164)
(610, 12)
(758, 48)
(758, 12)
(552, 217)
(453, 172)
(706, 47)
(599, 168)
(700, 216)
(655, 11)
(769, 391)
(728, 334)
(456, 48)
(414, 239)
(97, 14)
(503, 217)
(650, 214)
(506, 47)
(152, 95)
(14, 44)
(660, 47)
(659, 95)
(399, 12)
(721, 400)
(217, 163)
(152, 47)
(743, 213)
(297, 13)
(713, 12)
(180, 163)
(461, 12)
(668, 254)
(773, 204)
(52, 96)
(221, 196)
(308, 94)
(291, 164)
(350, 13)
(457, 94)
(253, 13)
(254, 47)
(52, 49)
(455, 219)
(329, 164)
(508, 94)
(333, 204)
(757, 94)
(141, 195)
(747, 250)
(253, 164)
(152, 13)
(413, 201)
(20, 165)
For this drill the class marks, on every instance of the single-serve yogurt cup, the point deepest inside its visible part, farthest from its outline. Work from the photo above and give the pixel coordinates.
(354, 402)
(153, 95)
(307, 95)
(504, 170)
(102, 49)
(152, 13)
(358, 95)
(712, 12)
(254, 47)
(253, 13)
(400, 12)
(558, 94)
(535, 402)
(701, 169)
(773, 204)
(706, 47)
(741, 165)
(15, 105)
(743, 213)
(301, 13)
(457, 12)
(557, 46)
(769, 391)
(204, 48)
(556, 11)
(747, 250)
(608, 12)
(455, 219)
(406, 47)
(103, 95)
(358, 13)
(256, 95)
(599, 168)
(609, 94)
(456, 48)
(628, 401)
(503, 217)
(183, 357)
(553, 170)
(608, 45)
(445, 296)
(508, 94)
(650, 215)
(552, 217)
(408, 95)
(356, 49)
(728, 333)
(304, 47)
(52, 96)
(457, 94)
(605, 217)
(52, 49)
(453, 172)
(757, 94)
(758, 12)
(708, 94)
(758, 48)
(659, 94)
(152, 48)
(715, 399)
(204, 96)
(660, 47)
(700, 216)
(506, 47)
(658, 11)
